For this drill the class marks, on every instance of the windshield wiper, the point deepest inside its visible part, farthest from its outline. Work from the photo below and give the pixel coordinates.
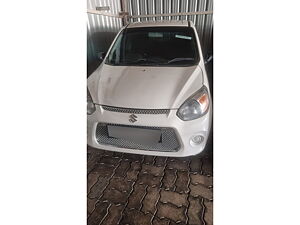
(179, 59)
(149, 61)
(143, 60)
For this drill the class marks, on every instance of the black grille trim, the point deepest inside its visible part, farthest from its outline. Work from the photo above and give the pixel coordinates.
(169, 141)
(136, 111)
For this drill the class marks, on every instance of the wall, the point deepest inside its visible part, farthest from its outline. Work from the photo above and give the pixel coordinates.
(101, 30)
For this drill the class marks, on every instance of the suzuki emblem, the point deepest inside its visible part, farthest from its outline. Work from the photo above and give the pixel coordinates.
(132, 118)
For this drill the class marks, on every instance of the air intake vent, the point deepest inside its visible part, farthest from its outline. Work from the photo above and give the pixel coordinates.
(168, 141)
(136, 111)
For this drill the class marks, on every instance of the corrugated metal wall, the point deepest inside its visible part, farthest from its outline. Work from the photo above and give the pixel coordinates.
(102, 29)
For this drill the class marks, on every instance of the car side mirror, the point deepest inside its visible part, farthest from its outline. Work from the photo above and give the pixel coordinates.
(208, 59)
(101, 55)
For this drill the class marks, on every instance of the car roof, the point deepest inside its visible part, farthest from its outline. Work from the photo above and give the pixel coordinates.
(160, 23)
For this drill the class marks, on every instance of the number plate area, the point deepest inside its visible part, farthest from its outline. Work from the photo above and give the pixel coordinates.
(137, 135)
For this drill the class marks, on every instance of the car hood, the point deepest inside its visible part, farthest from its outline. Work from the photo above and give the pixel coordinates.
(144, 87)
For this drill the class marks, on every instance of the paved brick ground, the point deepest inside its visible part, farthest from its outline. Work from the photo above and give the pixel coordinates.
(137, 190)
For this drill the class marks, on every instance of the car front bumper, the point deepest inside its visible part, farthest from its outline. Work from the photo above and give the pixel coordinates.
(184, 130)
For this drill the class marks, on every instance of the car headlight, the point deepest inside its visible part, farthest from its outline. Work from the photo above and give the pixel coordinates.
(194, 107)
(90, 104)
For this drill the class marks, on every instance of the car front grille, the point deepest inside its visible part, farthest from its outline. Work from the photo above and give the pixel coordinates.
(136, 111)
(168, 140)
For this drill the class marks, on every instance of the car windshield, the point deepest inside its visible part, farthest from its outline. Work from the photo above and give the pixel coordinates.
(155, 46)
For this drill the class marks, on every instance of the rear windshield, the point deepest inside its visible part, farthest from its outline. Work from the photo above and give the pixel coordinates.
(155, 46)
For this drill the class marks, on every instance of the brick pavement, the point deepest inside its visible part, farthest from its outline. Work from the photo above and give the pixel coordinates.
(137, 190)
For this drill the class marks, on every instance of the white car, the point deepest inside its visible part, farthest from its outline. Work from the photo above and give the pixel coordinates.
(151, 94)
